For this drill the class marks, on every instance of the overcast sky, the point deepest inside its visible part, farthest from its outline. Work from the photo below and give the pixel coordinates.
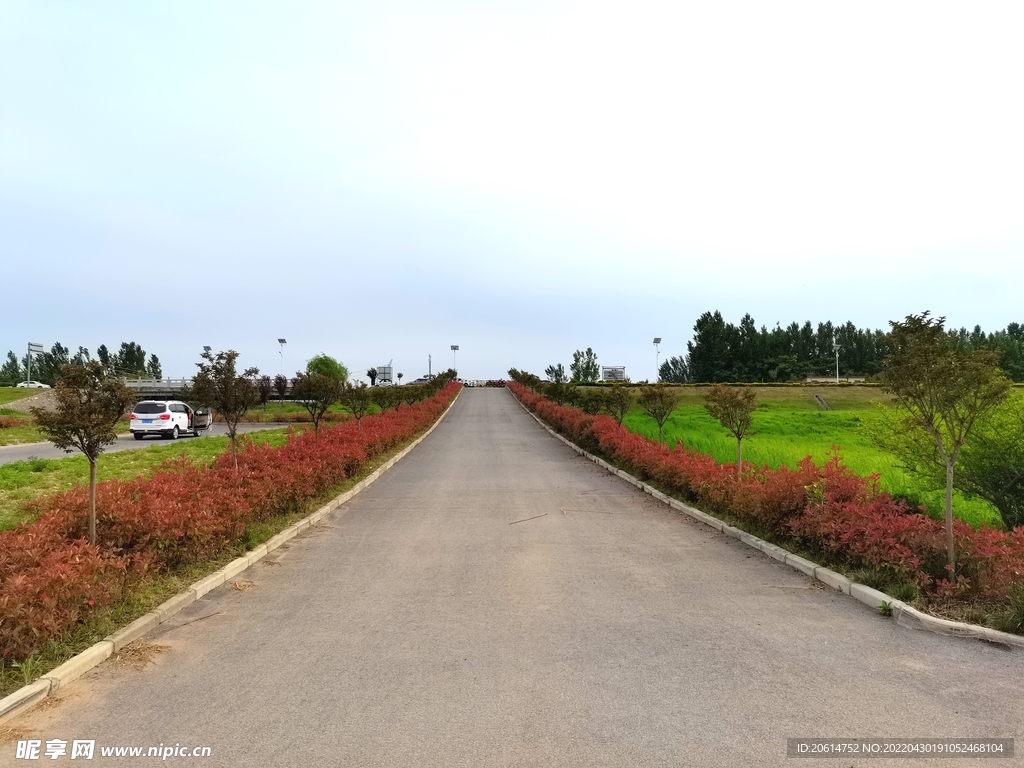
(381, 180)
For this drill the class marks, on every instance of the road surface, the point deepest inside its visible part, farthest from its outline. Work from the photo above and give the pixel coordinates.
(496, 600)
(9, 453)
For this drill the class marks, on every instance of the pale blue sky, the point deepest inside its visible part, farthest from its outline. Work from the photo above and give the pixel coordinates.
(382, 180)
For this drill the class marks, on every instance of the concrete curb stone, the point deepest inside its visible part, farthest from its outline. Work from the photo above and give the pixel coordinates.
(905, 615)
(26, 697)
(75, 667)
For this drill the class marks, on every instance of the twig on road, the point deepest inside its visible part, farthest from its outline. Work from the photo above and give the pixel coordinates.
(527, 518)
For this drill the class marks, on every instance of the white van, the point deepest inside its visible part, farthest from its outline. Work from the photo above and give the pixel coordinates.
(167, 418)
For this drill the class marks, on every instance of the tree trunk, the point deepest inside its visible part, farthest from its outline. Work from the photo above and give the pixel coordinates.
(234, 450)
(92, 501)
(950, 547)
(316, 434)
(739, 456)
(661, 433)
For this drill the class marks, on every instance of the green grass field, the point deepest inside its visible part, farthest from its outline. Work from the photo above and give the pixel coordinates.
(10, 394)
(24, 481)
(789, 425)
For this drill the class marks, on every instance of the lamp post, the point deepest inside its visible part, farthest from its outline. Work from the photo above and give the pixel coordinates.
(282, 342)
(455, 348)
(836, 347)
(657, 353)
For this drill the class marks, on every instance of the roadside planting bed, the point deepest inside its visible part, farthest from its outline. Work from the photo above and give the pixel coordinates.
(790, 425)
(184, 517)
(827, 511)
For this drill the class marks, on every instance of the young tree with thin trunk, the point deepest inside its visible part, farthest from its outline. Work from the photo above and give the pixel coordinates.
(357, 400)
(231, 394)
(618, 401)
(658, 402)
(371, 374)
(266, 385)
(281, 385)
(940, 391)
(733, 407)
(317, 392)
(385, 397)
(89, 406)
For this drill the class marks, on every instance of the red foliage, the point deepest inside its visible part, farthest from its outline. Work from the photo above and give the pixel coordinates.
(49, 576)
(8, 422)
(828, 507)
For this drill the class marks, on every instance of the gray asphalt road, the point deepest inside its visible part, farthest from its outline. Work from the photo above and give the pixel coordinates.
(424, 625)
(9, 453)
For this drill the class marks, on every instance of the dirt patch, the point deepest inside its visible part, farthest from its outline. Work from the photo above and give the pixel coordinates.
(139, 654)
(45, 399)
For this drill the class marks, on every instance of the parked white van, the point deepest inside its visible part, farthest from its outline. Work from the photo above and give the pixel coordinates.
(167, 418)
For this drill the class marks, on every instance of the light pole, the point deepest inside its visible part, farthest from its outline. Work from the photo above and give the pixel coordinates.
(657, 353)
(455, 348)
(836, 347)
(282, 342)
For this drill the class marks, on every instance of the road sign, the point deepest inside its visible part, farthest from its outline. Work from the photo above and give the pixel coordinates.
(35, 349)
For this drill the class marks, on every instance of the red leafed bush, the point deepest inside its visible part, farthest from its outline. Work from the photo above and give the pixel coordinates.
(49, 576)
(9, 422)
(828, 507)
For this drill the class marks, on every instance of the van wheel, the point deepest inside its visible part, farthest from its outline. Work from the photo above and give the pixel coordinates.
(174, 432)
(138, 435)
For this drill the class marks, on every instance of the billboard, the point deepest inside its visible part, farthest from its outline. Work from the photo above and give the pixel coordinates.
(613, 373)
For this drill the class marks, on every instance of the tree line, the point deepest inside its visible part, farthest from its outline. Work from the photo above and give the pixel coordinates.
(724, 352)
(130, 360)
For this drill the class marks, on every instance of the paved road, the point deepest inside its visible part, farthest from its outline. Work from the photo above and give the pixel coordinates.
(425, 626)
(9, 453)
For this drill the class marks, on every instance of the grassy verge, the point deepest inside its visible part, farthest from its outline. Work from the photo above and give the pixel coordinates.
(147, 595)
(21, 482)
(10, 394)
(789, 425)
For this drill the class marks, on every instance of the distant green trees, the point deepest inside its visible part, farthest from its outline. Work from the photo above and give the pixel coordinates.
(130, 360)
(724, 352)
(674, 371)
(584, 366)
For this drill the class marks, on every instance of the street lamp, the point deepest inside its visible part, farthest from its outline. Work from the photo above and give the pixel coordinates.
(455, 348)
(657, 352)
(282, 342)
(836, 347)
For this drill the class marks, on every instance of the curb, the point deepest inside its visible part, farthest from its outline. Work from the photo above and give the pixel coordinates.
(28, 696)
(905, 615)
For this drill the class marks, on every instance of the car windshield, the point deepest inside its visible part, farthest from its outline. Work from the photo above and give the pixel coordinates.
(150, 408)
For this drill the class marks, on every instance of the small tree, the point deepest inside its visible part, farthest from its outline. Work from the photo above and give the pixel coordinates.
(219, 386)
(281, 385)
(733, 407)
(400, 377)
(357, 400)
(618, 401)
(941, 391)
(584, 366)
(658, 401)
(555, 373)
(317, 392)
(328, 366)
(89, 406)
(385, 397)
(371, 374)
(266, 387)
(591, 400)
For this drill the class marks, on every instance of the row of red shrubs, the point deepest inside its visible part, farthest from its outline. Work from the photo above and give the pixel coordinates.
(50, 577)
(9, 422)
(828, 508)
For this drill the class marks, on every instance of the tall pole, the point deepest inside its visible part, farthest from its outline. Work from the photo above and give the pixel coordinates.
(430, 363)
(455, 349)
(28, 369)
(657, 354)
(282, 342)
(837, 348)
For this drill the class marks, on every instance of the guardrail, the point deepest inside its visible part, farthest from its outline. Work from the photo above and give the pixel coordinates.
(156, 385)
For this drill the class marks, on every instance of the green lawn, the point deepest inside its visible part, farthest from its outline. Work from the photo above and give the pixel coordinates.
(10, 394)
(789, 425)
(24, 481)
